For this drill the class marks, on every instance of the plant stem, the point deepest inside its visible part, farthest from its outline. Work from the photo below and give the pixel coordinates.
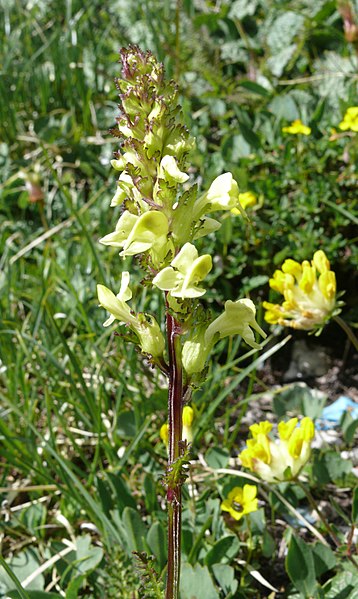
(347, 329)
(175, 400)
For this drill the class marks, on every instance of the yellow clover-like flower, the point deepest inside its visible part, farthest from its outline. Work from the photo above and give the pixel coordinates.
(296, 128)
(282, 459)
(241, 501)
(146, 328)
(182, 277)
(309, 291)
(350, 120)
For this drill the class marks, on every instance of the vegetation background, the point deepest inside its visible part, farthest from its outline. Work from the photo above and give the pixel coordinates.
(81, 460)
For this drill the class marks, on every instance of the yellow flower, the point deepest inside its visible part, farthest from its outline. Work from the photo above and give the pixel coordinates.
(246, 200)
(187, 433)
(282, 459)
(164, 433)
(241, 501)
(350, 119)
(188, 417)
(297, 127)
(309, 291)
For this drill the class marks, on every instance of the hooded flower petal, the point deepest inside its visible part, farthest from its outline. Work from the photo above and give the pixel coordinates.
(186, 270)
(137, 234)
(223, 194)
(237, 319)
(170, 171)
(145, 327)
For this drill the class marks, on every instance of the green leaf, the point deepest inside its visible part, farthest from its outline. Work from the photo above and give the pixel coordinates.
(300, 566)
(255, 88)
(22, 565)
(330, 467)
(324, 559)
(150, 493)
(13, 579)
(268, 544)
(224, 550)
(196, 583)
(355, 506)
(250, 136)
(225, 576)
(343, 586)
(135, 529)
(217, 457)
(87, 555)
(126, 425)
(74, 587)
(157, 541)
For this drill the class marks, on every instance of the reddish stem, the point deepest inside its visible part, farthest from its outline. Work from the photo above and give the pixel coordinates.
(175, 401)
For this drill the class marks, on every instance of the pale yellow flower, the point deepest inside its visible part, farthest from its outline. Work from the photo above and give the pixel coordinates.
(309, 291)
(296, 128)
(241, 501)
(350, 120)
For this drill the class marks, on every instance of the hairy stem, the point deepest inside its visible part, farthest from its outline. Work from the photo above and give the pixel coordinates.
(175, 401)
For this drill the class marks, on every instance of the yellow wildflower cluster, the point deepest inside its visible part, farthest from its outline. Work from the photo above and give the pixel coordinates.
(240, 501)
(283, 459)
(297, 127)
(309, 290)
(350, 120)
